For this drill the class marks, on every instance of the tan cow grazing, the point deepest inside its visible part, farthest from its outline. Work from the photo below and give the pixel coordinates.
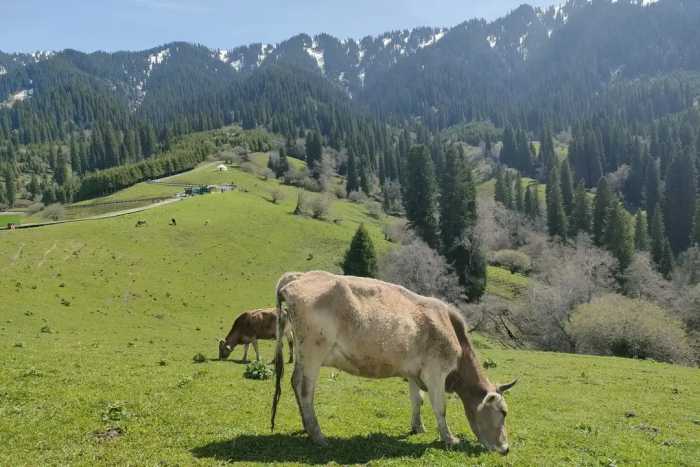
(374, 329)
(248, 328)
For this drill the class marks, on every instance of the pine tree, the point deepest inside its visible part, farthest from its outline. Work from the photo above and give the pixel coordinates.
(314, 150)
(457, 201)
(619, 237)
(556, 217)
(360, 259)
(353, 179)
(547, 154)
(666, 263)
(500, 190)
(528, 202)
(641, 231)
(509, 200)
(696, 234)
(282, 166)
(567, 187)
(680, 198)
(10, 187)
(601, 208)
(61, 172)
(34, 188)
(519, 201)
(659, 243)
(420, 195)
(581, 212)
(652, 187)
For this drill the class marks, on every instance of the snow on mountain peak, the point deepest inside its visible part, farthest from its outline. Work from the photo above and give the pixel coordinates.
(317, 54)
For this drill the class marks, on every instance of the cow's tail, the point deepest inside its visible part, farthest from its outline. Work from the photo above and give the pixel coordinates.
(279, 358)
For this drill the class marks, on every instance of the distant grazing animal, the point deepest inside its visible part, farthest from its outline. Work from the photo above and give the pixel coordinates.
(141, 223)
(374, 329)
(173, 222)
(248, 328)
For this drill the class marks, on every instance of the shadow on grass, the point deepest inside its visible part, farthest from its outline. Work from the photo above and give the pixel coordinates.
(300, 449)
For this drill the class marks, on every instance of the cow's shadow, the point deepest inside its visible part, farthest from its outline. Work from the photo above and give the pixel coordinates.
(288, 448)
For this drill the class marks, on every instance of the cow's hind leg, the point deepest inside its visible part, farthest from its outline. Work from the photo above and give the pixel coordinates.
(416, 403)
(304, 383)
(290, 340)
(436, 391)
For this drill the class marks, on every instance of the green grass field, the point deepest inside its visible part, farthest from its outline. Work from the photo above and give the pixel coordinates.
(6, 219)
(100, 320)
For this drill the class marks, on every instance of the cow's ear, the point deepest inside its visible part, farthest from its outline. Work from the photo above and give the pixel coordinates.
(505, 387)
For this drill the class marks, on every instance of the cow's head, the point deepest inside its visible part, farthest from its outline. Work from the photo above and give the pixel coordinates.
(488, 419)
(224, 350)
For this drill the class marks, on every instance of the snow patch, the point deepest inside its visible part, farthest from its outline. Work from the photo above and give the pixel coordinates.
(3, 70)
(236, 64)
(433, 40)
(17, 97)
(265, 50)
(156, 59)
(387, 41)
(223, 55)
(316, 53)
(362, 78)
(492, 40)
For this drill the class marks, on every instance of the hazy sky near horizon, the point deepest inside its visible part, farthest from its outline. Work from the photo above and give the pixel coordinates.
(89, 25)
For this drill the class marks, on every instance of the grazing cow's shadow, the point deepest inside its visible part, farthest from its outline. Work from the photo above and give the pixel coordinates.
(299, 449)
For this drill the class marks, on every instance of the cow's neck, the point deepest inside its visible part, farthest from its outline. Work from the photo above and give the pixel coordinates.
(471, 383)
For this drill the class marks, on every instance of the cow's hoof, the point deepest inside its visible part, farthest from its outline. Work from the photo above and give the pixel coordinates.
(451, 442)
(416, 430)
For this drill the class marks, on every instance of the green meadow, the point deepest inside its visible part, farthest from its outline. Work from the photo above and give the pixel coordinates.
(100, 321)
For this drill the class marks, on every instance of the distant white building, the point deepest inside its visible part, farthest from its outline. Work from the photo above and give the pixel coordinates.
(222, 168)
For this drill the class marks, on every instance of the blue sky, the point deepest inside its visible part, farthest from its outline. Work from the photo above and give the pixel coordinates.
(89, 25)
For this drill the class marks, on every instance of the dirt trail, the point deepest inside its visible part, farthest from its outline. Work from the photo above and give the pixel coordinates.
(100, 216)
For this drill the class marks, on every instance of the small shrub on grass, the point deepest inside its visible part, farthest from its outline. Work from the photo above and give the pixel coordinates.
(514, 261)
(199, 358)
(248, 167)
(54, 212)
(257, 370)
(277, 195)
(619, 326)
(374, 210)
(114, 412)
(320, 206)
(357, 197)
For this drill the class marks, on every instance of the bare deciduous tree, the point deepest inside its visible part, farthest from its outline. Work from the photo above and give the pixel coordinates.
(420, 269)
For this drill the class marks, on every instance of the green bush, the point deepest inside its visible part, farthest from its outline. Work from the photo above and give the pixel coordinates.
(623, 327)
(514, 261)
(257, 370)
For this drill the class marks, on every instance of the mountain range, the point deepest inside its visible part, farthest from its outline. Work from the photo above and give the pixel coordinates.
(533, 65)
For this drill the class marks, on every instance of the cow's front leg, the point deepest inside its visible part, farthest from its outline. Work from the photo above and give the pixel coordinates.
(255, 346)
(245, 353)
(416, 403)
(436, 391)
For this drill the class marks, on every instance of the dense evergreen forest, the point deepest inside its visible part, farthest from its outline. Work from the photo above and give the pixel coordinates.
(589, 74)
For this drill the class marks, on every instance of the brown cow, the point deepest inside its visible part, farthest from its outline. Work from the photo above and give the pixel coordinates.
(374, 329)
(248, 328)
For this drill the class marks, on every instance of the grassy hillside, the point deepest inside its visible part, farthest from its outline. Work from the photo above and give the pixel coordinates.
(100, 321)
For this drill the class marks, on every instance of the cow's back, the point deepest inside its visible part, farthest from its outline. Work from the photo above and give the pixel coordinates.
(371, 328)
